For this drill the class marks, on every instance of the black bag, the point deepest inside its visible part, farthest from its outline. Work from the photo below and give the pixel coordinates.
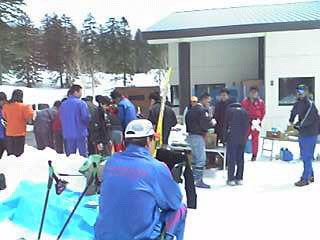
(3, 185)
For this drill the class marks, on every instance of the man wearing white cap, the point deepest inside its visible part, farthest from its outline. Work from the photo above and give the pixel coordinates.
(138, 194)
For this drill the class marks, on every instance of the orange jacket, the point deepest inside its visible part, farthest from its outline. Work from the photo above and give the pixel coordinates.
(17, 115)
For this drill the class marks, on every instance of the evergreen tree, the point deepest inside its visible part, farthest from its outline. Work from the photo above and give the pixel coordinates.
(28, 58)
(89, 37)
(126, 50)
(10, 12)
(111, 51)
(70, 47)
(53, 47)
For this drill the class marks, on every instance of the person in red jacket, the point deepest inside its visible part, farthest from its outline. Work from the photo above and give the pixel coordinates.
(255, 107)
(57, 129)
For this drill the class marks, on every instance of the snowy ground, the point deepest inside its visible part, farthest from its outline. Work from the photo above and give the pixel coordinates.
(47, 93)
(267, 207)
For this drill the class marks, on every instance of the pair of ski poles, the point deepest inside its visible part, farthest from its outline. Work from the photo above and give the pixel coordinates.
(60, 186)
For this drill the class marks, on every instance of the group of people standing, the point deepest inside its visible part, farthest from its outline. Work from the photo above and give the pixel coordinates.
(233, 123)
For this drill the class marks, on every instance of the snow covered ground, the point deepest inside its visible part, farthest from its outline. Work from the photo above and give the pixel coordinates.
(267, 207)
(47, 93)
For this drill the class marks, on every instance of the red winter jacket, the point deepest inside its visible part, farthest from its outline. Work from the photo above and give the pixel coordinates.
(256, 109)
(56, 126)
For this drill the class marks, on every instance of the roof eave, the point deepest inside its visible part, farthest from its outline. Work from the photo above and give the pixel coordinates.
(228, 30)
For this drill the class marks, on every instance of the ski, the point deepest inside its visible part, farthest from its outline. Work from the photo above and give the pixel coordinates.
(164, 90)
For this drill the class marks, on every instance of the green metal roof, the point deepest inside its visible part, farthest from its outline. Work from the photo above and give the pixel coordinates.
(305, 15)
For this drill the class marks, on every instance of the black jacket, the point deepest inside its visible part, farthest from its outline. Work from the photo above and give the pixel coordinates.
(237, 124)
(310, 127)
(169, 120)
(99, 130)
(197, 120)
(171, 158)
(220, 117)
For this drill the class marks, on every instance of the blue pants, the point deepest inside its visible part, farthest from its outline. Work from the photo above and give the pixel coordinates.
(174, 224)
(307, 147)
(235, 157)
(198, 148)
(71, 146)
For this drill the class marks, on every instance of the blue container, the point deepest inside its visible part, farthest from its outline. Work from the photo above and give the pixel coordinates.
(286, 155)
(248, 148)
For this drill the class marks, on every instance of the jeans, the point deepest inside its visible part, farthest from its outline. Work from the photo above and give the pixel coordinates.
(198, 148)
(71, 146)
(174, 224)
(235, 157)
(307, 146)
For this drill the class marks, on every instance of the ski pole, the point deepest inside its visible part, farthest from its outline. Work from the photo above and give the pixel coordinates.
(50, 181)
(70, 175)
(90, 181)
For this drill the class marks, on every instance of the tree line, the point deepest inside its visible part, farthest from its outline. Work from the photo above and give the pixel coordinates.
(57, 45)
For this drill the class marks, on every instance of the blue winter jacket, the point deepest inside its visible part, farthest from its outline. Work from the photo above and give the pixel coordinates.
(1, 126)
(127, 112)
(75, 118)
(135, 187)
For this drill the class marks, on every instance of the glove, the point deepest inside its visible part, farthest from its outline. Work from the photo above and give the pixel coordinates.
(256, 125)
(213, 122)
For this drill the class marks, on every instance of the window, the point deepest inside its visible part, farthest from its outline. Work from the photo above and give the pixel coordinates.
(212, 89)
(287, 89)
(175, 95)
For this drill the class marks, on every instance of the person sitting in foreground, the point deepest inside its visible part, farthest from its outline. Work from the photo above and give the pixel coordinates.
(139, 197)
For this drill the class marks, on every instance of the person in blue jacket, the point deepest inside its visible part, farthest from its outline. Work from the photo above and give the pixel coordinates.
(236, 129)
(126, 109)
(3, 100)
(75, 118)
(138, 194)
(308, 127)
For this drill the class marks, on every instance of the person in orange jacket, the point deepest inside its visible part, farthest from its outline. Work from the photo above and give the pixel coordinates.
(17, 115)
(255, 107)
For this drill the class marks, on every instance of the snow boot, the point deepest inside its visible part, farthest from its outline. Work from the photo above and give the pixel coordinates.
(231, 183)
(201, 184)
(312, 179)
(239, 182)
(254, 158)
(301, 183)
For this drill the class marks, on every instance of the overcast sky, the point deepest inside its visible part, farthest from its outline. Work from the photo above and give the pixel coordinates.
(140, 13)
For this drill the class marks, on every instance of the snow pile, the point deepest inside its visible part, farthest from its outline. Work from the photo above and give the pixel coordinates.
(267, 207)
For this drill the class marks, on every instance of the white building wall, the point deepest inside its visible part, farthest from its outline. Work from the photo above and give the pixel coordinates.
(224, 61)
(289, 54)
(219, 61)
(173, 61)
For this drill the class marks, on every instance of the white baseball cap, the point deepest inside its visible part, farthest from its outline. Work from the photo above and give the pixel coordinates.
(139, 128)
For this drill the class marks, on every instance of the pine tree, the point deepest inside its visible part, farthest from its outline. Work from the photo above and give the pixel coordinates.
(89, 47)
(143, 61)
(53, 47)
(10, 12)
(127, 50)
(28, 59)
(70, 47)
(112, 51)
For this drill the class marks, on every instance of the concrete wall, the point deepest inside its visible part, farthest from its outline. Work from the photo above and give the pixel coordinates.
(289, 54)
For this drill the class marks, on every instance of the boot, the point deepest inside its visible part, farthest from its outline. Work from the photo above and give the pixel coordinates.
(301, 183)
(312, 179)
(254, 158)
(239, 182)
(231, 183)
(201, 184)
